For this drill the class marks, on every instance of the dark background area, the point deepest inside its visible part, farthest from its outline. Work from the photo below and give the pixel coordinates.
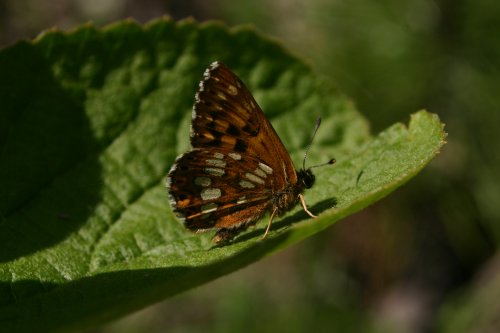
(422, 260)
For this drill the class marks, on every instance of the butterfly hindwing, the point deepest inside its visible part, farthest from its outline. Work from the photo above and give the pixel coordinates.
(218, 188)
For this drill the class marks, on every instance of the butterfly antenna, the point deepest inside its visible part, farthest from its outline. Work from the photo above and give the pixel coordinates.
(331, 161)
(318, 122)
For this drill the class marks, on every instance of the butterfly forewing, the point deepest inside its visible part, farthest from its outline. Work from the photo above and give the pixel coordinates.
(217, 188)
(225, 115)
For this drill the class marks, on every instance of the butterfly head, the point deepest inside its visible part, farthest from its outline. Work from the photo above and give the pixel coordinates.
(307, 178)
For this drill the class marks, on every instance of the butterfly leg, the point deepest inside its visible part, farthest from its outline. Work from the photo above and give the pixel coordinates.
(303, 202)
(270, 222)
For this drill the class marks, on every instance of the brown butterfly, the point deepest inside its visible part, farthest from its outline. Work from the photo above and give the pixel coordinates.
(238, 168)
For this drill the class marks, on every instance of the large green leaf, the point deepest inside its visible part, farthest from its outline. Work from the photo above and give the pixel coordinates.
(90, 124)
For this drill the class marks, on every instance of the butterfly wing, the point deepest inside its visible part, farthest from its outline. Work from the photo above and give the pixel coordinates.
(226, 116)
(219, 188)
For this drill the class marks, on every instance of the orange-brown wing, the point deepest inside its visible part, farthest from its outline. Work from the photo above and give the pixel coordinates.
(226, 116)
(219, 188)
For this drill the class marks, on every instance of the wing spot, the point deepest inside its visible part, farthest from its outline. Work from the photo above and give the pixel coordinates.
(267, 169)
(248, 129)
(215, 171)
(208, 135)
(206, 74)
(240, 146)
(232, 90)
(260, 173)
(241, 200)
(222, 96)
(233, 130)
(235, 156)
(182, 203)
(211, 193)
(254, 178)
(203, 181)
(246, 184)
(217, 163)
(220, 156)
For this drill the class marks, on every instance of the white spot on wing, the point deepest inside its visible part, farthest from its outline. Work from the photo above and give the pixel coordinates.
(260, 173)
(168, 182)
(246, 184)
(172, 201)
(217, 163)
(254, 178)
(214, 65)
(206, 74)
(267, 169)
(220, 156)
(235, 156)
(241, 200)
(210, 193)
(215, 171)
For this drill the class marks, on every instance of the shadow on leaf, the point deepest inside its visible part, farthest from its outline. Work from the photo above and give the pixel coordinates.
(45, 139)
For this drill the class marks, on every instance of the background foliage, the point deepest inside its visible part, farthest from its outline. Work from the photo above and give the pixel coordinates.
(422, 260)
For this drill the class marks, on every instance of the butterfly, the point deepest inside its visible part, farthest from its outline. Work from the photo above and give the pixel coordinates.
(238, 169)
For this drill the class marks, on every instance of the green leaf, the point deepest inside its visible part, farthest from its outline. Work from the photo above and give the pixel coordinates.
(91, 122)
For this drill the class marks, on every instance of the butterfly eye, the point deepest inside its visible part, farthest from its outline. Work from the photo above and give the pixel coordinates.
(308, 178)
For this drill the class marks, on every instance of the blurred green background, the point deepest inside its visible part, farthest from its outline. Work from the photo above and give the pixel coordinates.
(422, 260)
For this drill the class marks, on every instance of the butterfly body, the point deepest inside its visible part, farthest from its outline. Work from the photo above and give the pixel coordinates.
(238, 168)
